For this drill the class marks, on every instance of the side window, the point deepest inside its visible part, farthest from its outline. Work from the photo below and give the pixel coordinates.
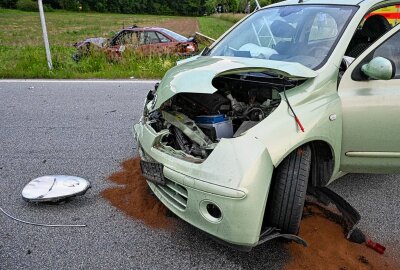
(134, 41)
(163, 38)
(151, 38)
(120, 40)
(391, 13)
(142, 38)
(390, 49)
(374, 25)
(130, 39)
(324, 27)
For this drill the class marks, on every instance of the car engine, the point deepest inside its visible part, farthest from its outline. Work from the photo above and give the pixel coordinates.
(197, 122)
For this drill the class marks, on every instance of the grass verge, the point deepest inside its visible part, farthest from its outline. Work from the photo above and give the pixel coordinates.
(214, 27)
(22, 52)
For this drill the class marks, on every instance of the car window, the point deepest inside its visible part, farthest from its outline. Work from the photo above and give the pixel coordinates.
(120, 38)
(131, 39)
(374, 25)
(151, 38)
(323, 27)
(163, 38)
(174, 35)
(391, 13)
(304, 34)
(142, 38)
(390, 49)
(128, 38)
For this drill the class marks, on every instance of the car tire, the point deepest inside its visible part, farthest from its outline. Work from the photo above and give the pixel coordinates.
(288, 191)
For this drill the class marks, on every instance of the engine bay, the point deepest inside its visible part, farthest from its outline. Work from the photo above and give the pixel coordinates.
(196, 122)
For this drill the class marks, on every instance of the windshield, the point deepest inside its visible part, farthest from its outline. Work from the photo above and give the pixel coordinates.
(174, 35)
(305, 34)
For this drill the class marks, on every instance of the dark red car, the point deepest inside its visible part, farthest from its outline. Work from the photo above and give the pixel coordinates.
(145, 40)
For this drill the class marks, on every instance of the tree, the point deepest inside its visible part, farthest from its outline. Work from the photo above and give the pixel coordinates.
(8, 3)
(69, 4)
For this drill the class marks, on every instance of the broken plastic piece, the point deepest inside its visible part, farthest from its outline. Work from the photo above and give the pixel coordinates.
(376, 246)
(356, 236)
(54, 188)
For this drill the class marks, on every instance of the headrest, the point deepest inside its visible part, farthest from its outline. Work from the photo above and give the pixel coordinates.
(282, 29)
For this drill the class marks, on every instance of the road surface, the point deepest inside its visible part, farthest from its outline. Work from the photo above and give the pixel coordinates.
(83, 128)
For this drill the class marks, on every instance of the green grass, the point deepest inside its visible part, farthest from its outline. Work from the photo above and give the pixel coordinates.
(29, 62)
(22, 52)
(214, 27)
(231, 17)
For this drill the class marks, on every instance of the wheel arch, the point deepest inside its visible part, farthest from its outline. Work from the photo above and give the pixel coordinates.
(321, 171)
(322, 163)
(323, 160)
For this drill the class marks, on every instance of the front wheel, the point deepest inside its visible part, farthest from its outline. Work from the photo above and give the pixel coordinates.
(288, 191)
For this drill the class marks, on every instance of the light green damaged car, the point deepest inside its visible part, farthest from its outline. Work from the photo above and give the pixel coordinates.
(289, 99)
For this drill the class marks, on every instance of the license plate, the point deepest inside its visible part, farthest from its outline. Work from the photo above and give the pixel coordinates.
(153, 172)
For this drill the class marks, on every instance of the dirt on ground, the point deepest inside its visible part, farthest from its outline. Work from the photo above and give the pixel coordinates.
(133, 197)
(328, 248)
(185, 26)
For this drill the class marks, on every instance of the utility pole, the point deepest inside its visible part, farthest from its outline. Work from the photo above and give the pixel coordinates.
(45, 37)
(257, 5)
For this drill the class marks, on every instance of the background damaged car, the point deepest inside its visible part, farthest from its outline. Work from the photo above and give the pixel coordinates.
(143, 40)
(287, 101)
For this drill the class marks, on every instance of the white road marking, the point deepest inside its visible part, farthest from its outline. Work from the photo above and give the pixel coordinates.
(81, 81)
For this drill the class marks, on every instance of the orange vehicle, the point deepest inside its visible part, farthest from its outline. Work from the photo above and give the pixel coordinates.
(391, 13)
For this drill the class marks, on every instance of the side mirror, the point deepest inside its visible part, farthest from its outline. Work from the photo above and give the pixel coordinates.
(379, 68)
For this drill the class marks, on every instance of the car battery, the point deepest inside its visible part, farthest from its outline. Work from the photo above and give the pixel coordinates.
(215, 126)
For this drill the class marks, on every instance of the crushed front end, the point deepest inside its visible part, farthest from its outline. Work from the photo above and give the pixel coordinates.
(202, 162)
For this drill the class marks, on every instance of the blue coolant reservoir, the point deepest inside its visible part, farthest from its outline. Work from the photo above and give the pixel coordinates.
(215, 126)
(210, 119)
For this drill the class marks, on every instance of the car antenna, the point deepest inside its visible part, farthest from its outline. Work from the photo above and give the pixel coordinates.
(290, 106)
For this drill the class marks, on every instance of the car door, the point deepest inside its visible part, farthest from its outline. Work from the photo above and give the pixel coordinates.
(167, 45)
(371, 112)
(118, 45)
(151, 43)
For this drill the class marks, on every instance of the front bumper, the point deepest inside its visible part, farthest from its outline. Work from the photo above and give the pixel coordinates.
(236, 178)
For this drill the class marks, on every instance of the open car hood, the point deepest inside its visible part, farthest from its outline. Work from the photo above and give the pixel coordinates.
(196, 76)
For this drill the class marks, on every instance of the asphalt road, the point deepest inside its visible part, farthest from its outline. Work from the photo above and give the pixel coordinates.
(84, 129)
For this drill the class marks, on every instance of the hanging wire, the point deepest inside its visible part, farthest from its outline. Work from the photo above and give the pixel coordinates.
(37, 224)
(290, 107)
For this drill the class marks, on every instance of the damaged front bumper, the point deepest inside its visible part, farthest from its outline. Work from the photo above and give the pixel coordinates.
(223, 195)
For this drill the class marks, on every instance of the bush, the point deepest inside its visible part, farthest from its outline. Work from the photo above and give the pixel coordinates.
(48, 8)
(27, 5)
(70, 4)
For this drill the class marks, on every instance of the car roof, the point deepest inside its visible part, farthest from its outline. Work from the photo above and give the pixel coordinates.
(327, 2)
(135, 28)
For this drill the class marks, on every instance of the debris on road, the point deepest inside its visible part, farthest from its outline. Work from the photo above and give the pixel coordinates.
(51, 189)
(376, 246)
(54, 188)
(323, 231)
(133, 198)
(329, 249)
(37, 224)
